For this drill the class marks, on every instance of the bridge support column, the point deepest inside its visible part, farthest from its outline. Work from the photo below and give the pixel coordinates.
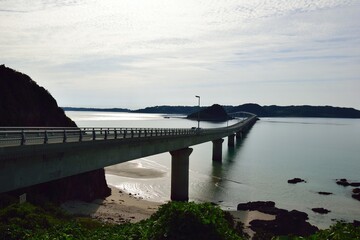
(231, 140)
(239, 135)
(180, 174)
(217, 150)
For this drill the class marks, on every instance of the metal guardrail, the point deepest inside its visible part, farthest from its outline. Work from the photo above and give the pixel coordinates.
(15, 136)
(28, 136)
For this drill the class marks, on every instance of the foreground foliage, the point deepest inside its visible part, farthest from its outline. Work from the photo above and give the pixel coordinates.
(175, 220)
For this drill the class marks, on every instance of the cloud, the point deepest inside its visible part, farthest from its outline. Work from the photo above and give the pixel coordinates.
(180, 47)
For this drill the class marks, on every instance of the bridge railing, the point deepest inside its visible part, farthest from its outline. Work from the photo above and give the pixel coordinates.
(29, 136)
(15, 136)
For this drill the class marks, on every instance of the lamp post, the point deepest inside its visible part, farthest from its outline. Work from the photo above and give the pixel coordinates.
(198, 112)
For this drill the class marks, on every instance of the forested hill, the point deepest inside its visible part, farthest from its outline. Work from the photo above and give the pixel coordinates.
(297, 111)
(24, 103)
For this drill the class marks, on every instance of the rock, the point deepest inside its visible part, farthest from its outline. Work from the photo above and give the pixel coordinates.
(259, 205)
(325, 193)
(321, 210)
(285, 223)
(342, 182)
(356, 223)
(267, 207)
(356, 190)
(356, 196)
(296, 180)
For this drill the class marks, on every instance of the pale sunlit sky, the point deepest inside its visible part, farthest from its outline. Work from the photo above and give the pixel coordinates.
(138, 53)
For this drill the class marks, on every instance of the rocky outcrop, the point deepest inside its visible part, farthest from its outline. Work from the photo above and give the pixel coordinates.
(285, 223)
(344, 182)
(296, 180)
(213, 113)
(325, 193)
(24, 103)
(320, 210)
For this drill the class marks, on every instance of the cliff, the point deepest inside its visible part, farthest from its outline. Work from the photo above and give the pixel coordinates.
(213, 113)
(24, 103)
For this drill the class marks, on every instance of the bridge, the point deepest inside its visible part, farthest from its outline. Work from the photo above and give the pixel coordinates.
(29, 156)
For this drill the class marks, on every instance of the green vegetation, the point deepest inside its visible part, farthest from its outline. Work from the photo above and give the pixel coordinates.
(175, 220)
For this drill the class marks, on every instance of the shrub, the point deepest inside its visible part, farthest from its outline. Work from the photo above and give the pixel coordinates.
(182, 220)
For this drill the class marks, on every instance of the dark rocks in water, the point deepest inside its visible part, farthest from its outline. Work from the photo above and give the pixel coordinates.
(213, 113)
(23, 103)
(325, 193)
(285, 223)
(356, 190)
(356, 196)
(296, 180)
(356, 193)
(355, 184)
(261, 206)
(321, 210)
(255, 205)
(344, 182)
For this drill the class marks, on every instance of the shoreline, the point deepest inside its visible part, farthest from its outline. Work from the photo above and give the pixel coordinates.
(120, 207)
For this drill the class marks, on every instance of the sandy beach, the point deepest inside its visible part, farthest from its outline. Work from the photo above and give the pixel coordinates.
(122, 207)
(119, 207)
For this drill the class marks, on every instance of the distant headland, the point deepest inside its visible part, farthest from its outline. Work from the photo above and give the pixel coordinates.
(260, 111)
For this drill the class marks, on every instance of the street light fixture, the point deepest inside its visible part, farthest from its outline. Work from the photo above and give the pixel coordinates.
(198, 112)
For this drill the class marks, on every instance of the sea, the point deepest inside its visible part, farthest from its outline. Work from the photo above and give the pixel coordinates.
(318, 150)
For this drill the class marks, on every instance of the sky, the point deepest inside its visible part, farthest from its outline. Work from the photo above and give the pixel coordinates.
(139, 53)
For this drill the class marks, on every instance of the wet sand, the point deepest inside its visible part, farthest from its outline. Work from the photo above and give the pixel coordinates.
(119, 207)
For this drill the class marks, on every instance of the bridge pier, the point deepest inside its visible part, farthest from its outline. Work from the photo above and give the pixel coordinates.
(231, 140)
(217, 150)
(239, 135)
(180, 174)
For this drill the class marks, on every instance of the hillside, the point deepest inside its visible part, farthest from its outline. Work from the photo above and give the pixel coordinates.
(24, 103)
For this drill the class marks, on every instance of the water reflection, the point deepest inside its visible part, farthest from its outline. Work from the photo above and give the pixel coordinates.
(219, 171)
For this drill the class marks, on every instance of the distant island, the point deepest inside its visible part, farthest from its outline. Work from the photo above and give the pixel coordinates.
(213, 113)
(260, 111)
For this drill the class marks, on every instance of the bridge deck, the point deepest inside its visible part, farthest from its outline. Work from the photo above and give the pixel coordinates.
(32, 156)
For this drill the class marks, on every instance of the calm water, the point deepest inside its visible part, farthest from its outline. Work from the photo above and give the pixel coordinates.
(275, 150)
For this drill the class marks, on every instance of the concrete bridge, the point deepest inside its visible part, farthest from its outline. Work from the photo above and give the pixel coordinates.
(30, 156)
